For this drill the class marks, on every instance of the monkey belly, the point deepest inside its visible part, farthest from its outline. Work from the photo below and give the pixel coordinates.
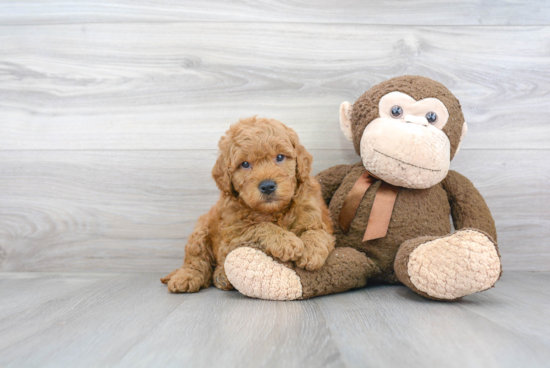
(417, 212)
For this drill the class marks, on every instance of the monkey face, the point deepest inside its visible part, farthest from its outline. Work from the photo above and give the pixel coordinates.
(405, 146)
(402, 140)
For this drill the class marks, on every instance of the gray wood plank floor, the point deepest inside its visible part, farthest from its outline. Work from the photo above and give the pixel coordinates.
(130, 320)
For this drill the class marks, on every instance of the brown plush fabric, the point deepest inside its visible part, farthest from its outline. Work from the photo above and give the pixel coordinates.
(331, 179)
(419, 215)
(422, 214)
(416, 213)
(344, 269)
(365, 109)
(419, 249)
(468, 208)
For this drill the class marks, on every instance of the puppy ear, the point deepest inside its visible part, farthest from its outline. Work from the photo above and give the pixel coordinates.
(303, 157)
(303, 163)
(220, 171)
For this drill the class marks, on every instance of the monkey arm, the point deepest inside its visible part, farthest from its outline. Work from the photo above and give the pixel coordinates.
(330, 179)
(468, 208)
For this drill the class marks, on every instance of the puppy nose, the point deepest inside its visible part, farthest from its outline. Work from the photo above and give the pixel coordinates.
(267, 186)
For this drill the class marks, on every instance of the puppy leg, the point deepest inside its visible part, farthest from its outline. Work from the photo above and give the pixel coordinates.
(167, 278)
(317, 246)
(284, 245)
(273, 240)
(196, 272)
(220, 278)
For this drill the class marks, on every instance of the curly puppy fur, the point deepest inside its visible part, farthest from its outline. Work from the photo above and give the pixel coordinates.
(290, 224)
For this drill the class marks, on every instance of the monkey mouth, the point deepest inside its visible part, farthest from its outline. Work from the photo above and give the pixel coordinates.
(404, 162)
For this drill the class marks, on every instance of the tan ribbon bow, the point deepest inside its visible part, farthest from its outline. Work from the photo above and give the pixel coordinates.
(382, 208)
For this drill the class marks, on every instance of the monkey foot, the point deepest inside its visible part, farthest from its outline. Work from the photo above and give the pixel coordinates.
(454, 266)
(255, 274)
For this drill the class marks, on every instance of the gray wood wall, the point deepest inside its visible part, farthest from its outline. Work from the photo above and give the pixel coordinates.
(110, 111)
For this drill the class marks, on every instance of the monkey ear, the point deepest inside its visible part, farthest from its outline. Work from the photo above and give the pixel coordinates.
(345, 120)
(220, 171)
(462, 135)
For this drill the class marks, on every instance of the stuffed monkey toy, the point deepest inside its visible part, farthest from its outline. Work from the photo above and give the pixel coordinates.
(391, 210)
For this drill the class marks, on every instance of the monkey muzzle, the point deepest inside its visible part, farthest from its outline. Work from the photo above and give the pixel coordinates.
(407, 152)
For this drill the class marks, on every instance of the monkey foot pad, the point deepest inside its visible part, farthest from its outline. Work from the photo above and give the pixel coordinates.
(255, 274)
(455, 266)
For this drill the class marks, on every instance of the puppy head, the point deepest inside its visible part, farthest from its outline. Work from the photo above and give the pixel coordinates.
(262, 162)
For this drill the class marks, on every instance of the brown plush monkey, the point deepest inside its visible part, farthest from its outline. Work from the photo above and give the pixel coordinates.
(391, 211)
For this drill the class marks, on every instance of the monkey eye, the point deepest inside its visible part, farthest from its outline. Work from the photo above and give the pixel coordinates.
(396, 111)
(245, 165)
(280, 158)
(431, 117)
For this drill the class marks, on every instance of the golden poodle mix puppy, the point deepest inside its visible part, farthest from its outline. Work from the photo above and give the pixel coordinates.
(268, 201)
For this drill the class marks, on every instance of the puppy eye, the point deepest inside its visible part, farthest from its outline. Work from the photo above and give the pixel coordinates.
(396, 111)
(280, 158)
(431, 117)
(245, 165)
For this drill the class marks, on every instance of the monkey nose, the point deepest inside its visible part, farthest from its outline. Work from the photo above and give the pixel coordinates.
(421, 120)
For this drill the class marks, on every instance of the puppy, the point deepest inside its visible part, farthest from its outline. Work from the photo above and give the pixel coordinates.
(268, 201)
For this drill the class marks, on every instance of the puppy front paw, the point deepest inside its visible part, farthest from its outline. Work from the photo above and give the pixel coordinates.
(311, 261)
(167, 278)
(220, 279)
(286, 248)
(185, 281)
(317, 247)
(314, 256)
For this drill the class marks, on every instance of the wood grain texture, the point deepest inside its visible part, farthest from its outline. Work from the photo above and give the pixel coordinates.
(101, 321)
(133, 210)
(46, 287)
(416, 12)
(179, 85)
(130, 320)
(275, 334)
(394, 327)
(110, 111)
(500, 306)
